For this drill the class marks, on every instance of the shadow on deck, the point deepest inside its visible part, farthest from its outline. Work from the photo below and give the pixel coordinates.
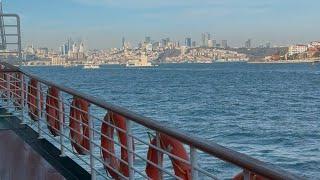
(24, 156)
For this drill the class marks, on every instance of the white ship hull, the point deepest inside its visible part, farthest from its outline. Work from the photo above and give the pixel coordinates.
(91, 67)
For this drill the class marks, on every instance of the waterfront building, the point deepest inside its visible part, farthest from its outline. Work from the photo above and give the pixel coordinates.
(314, 44)
(58, 61)
(297, 49)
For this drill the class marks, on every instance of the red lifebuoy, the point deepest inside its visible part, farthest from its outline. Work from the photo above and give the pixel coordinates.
(52, 110)
(79, 125)
(253, 176)
(32, 100)
(173, 146)
(108, 149)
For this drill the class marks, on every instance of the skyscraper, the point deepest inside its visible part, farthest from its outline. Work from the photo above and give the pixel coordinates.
(205, 37)
(210, 43)
(268, 45)
(164, 42)
(147, 39)
(214, 42)
(123, 42)
(224, 44)
(247, 44)
(188, 42)
(208, 36)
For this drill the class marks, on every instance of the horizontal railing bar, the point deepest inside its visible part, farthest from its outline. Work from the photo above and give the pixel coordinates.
(10, 25)
(11, 43)
(11, 34)
(8, 52)
(212, 148)
(8, 70)
(97, 158)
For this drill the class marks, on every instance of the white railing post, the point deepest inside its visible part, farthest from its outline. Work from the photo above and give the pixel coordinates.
(194, 163)
(130, 149)
(61, 118)
(22, 98)
(159, 155)
(91, 138)
(39, 108)
(8, 90)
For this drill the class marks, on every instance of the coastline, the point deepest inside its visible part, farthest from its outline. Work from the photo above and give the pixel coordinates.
(249, 62)
(283, 62)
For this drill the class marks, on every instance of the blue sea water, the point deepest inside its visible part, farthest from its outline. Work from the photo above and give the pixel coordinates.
(268, 111)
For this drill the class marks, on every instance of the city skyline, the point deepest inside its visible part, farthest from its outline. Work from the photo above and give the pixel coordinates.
(102, 23)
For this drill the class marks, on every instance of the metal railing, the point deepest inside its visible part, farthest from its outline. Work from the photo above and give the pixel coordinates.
(10, 33)
(14, 89)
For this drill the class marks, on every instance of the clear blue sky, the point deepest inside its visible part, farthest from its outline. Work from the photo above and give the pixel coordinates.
(102, 23)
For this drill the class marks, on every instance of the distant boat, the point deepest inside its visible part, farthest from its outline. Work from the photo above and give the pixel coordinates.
(69, 65)
(91, 66)
(142, 62)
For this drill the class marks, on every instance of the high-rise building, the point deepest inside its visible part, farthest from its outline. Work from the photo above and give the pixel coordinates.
(268, 45)
(165, 42)
(62, 50)
(224, 44)
(214, 42)
(123, 43)
(297, 49)
(81, 48)
(210, 43)
(147, 39)
(194, 44)
(205, 37)
(155, 45)
(188, 42)
(247, 44)
(70, 43)
(208, 36)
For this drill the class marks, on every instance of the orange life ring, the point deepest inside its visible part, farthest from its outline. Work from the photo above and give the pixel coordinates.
(79, 125)
(108, 149)
(253, 176)
(52, 110)
(32, 100)
(173, 146)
